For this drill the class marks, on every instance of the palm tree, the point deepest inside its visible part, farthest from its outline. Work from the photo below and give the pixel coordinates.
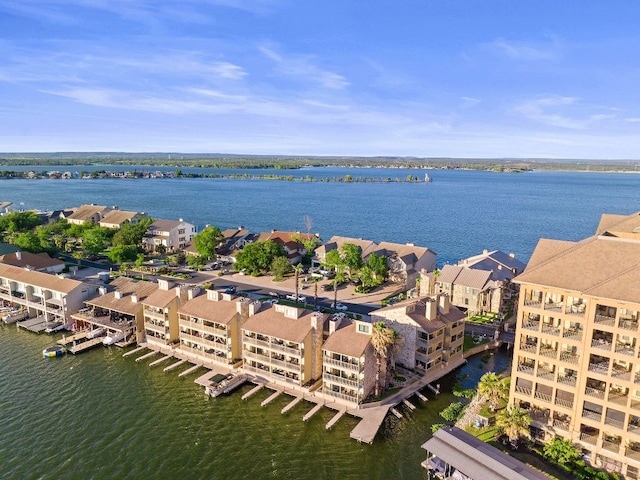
(383, 339)
(436, 274)
(514, 422)
(297, 269)
(315, 281)
(340, 277)
(494, 388)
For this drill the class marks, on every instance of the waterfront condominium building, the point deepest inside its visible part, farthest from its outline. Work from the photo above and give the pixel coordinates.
(576, 362)
(284, 344)
(431, 329)
(160, 311)
(168, 235)
(52, 297)
(118, 309)
(348, 361)
(210, 325)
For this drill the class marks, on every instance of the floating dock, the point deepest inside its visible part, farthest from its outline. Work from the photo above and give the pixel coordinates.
(174, 365)
(146, 355)
(395, 412)
(372, 418)
(409, 404)
(133, 352)
(37, 325)
(421, 396)
(160, 360)
(73, 338)
(253, 391)
(188, 370)
(82, 346)
(335, 419)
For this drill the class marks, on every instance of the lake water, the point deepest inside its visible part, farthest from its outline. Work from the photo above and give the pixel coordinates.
(99, 415)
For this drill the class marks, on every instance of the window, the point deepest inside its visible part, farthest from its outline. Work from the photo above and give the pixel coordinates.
(363, 328)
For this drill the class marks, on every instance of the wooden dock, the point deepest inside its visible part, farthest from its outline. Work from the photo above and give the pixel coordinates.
(174, 365)
(133, 352)
(73, 338)
(312, 412)
(271, 397)
(372, 418)
(82, 346)
(160, 360)
(421, 396)
(37, 325)
(395, 412)
(189, 370)
(409, 404)
(146, 355)
(335, 419)
(291, 404)
(253, 391)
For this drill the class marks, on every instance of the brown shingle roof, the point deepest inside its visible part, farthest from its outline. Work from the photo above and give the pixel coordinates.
(87, 211)
(221, 311)
(39, 279)
(275, 324)
(347, 341)
(118, 217)
(34, 260)
(127, 287)
(161, 298)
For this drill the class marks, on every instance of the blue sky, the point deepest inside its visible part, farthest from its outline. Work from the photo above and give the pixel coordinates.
(486, 78)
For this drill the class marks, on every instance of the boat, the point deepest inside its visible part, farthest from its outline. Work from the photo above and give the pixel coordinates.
(96, 332)
(227, 385)
(427, 178)
(55, 327)
(54, 351)
(113, 338)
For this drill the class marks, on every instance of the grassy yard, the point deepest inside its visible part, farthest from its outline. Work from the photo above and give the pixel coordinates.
(469, 342)
(489, 317)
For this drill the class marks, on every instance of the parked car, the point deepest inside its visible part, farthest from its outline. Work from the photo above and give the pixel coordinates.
(301, 298)
(340, 306)
(230, 289)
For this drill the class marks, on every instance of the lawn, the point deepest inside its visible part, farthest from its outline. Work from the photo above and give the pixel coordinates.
(470, 343)
(490, 317)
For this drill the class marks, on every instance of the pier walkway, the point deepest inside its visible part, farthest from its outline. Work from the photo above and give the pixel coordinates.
(73, 338)
(86, 345)
(37, 325)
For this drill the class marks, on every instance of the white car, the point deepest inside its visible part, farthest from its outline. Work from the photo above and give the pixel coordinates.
(301, 298)
(340, 306)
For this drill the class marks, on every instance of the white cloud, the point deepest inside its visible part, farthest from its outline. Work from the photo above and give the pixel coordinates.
(561, 111)
(526, 51)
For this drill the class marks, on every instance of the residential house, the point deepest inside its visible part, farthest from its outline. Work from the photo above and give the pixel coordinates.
(6, 207)
(170, 235)
(116, 218)
(210, 325)
(88, 214)
(291, 241)
(406, 261)
(50, 296)
(336, 243)
(284, 344)
(40, 262)
(576, 358)
(431, 331)
(118, 308)
(348, 361)
(160, 312)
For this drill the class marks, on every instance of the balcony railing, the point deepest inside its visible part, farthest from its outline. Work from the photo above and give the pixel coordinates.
(529, 325)
(618, 399)
(602, 344)
(613, 422)
(605, 320)
(564, 403)
(155, 315)
(550, 330)
(534, 302)
(587, 438)
(545, 397)
(567, 380)
(611, 446)
(156, 328)
(291, 366)
(594, 392)
(523, 390)
(529, 347)
(601, 367)
(341, 380)
(573, 334)
(625, 349)
(285, 349)
(569, 357)
(577, 310)
(632, 453)
(633, 428)
(548, 352)
(338, 363)
(202, 341)
(553, 307)
(629, 324)
(561, 424)
(591, 415)
(528, 369)
(343, 396)
(635, 404)
(621, 374)
(546, 374)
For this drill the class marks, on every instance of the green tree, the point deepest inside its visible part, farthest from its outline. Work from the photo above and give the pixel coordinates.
(123, 253)
(280, 266)
(207, 241)
(453, 412)
(95, 240)
(28, 241)
(351, 257)
(19, 222)
(561, 452)
(514, 422)
(196, 261)
(494, 388)
(256, 258)
(378, 265)
(383, 339)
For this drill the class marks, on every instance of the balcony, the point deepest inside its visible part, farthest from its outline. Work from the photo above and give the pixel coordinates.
(281, 347)
(342, 396)
(152, 326)
(195, 325)
(347, 365)
(621, 373)
(546, 374)
(528, 369)
(628, 324)
(533, 302)
(523, 390)
(625, 349)
(613, 422)
(154, 315)
(594, 392)
(553, 307)
(549, 352)
(600, 367)
(591, 415)
(577, 309)
(540, 416)
(529, 347)
(570, 380)
(545, 397)
(564, 403)
(633, 428)
(611, 445)
(570, 357)
(632, 452)
(573, 334)
(602, 344)
(353, 383)
(561, 424)
(551, 330)
(531, 325)
(635, 404)
(587, 438)
(202, 341)
(605, 320)
(618, 398)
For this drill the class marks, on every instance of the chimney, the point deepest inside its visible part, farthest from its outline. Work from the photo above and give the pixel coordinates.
(254, 307)
(499, 267)
(445, 303)
(163, 284)
(134, 298)
(18, 255)
(431, 310)
(317, 321)
(117, 294)
(485, 251)
(227, 297)
(213, 295)
(102, 290)
(512, 255)
(192, 292)
(334, 323)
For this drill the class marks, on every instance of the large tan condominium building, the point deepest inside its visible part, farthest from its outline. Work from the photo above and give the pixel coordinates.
(431, 329)
(42, 294)
(210, 325)
(576, 362)
(348, 361)
(284, 344)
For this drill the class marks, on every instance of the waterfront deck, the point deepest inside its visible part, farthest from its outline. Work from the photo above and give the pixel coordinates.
(86, 345)
(72, 338)
(37, 325)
